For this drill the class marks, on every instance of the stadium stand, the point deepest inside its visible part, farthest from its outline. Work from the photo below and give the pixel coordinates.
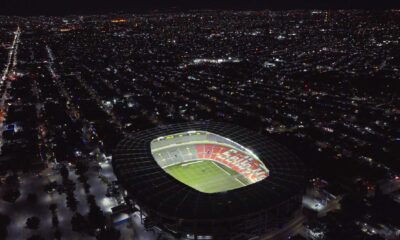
(200, 145)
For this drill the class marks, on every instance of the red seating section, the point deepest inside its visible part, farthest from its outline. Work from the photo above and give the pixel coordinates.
(238, 161)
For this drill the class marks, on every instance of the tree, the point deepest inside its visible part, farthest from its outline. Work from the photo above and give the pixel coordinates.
(53, 207)
(35, 237)
(54, 220)
(33, 223)
(68, 185)
(4, 222)
(64, 172)
(32, 198)
(72, 203)
(82, 178)
(57, 234)
(81, 168)
(109, 233)
(96, 217)
(11, 195)
(12, 180)
(91, 200)
(86, 187)
(51, 186)
(79, 223)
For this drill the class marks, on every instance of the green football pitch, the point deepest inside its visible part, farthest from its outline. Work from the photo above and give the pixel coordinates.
(207, 176)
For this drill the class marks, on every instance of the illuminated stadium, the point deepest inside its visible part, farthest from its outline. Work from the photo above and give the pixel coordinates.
(207, 162)
(207, 180)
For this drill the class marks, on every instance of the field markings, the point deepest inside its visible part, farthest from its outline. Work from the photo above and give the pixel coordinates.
(190, 163)
(243, 184)
(221, 168)
(206, 176)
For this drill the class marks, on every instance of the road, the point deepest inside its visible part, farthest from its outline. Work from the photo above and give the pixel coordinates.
(10, 68)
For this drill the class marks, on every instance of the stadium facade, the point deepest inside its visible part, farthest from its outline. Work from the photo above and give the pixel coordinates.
(207, 180)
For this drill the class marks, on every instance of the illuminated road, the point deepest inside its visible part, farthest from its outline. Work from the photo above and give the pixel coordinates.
(10, 68)
(12, 55)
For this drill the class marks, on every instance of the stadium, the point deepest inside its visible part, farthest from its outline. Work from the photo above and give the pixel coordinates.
(207, 180)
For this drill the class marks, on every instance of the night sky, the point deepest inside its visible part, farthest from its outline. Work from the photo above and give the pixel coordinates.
(63, 7)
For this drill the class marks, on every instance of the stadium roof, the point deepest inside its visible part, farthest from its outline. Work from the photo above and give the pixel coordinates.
(154, 189)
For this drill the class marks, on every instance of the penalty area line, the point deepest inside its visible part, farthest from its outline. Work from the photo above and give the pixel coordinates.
(227, 173)
(221, 168)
